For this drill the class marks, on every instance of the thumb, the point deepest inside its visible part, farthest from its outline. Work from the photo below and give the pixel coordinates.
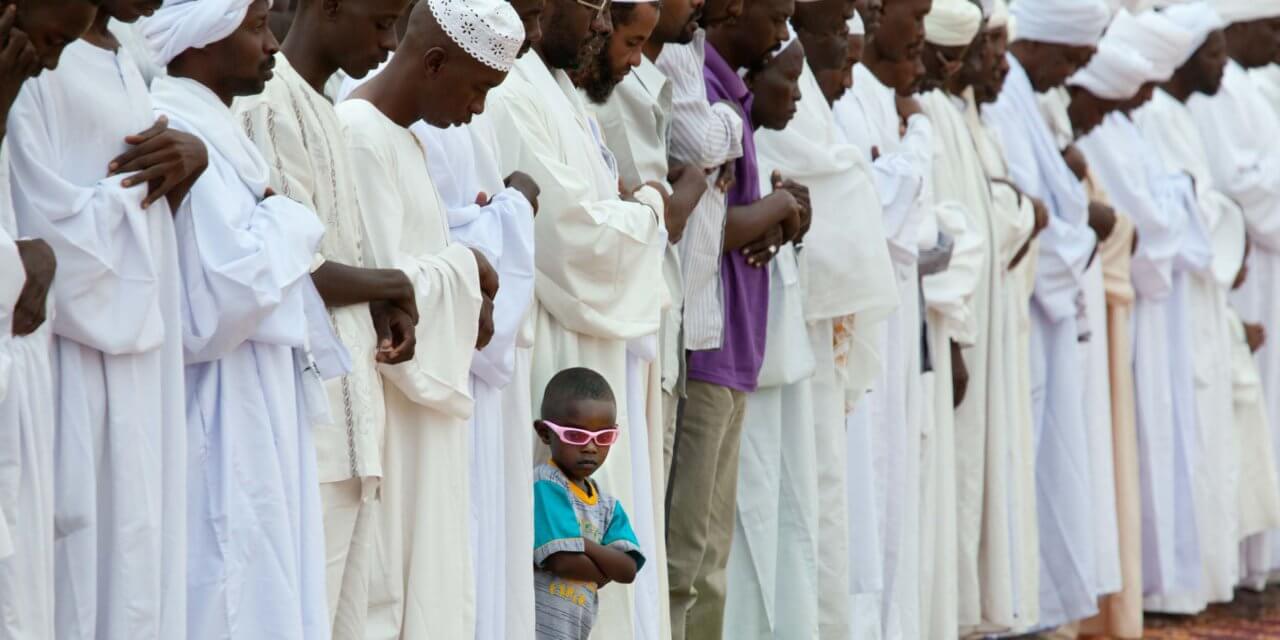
(482, 198)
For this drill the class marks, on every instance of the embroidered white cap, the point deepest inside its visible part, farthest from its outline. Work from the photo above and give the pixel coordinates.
(488, 30)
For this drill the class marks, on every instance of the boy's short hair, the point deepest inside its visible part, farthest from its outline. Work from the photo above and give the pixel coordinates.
(572, 385)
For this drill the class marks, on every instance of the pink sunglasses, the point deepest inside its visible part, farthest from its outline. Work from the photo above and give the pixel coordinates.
(580, 437)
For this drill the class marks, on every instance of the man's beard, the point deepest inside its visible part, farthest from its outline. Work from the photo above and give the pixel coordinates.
(596, 78)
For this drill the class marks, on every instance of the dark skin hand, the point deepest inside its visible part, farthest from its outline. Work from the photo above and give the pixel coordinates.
(168, 161)
(762, 251)
(801, 194)
(616, 565)
(393, 307)
(489, 289)
(18, 62)
(1075, 160)
(1041, 213)
(687, 185)
(1255, 335)
(397, 336)
(747, 223)
(40, 264)
(575, 566)
(1102, 219)
(959, 375)
(522, 182)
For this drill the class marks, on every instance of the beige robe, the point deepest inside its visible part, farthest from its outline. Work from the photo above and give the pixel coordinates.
(599, 293)
(422, 572)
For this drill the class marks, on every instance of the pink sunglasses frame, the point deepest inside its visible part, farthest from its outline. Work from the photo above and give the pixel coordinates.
(592, 436)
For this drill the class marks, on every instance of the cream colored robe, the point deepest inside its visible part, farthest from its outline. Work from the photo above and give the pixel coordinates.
(599, 292)
(422, 578)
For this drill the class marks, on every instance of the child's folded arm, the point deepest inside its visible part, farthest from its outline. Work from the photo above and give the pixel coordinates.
(616, 565)
(578, 566)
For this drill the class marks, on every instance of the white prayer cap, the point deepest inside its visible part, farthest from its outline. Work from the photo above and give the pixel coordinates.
(1233, 11)
(179, 25)
(856, 26)
(1077, 23)
(988, 6)
(1198, 19)
(999, 16)
(1162, 42)
(952, 23)
(791, 39)
(1115, 72)
(489, 30)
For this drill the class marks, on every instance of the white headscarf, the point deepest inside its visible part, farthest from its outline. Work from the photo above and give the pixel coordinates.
(1163, 43)
(1198, 19)
(1076, 23)
(952, 23)
(1233, 11)
(1115, 72)
(999, 16)
(179, 25)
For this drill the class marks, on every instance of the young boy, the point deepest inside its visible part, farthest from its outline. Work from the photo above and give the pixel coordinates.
(582, 539)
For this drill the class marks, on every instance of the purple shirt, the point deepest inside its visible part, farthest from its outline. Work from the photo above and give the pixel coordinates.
(736, 364)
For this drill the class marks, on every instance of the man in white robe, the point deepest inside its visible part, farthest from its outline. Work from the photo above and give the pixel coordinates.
(426, 510)
(1236, 124)
(372, 310)
(1172, 248)
(120, 457)
(1067, 32)
(27, 269)
(589, 312)
(256, 340)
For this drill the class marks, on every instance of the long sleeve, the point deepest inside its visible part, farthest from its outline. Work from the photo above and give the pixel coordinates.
(599, 257)
(702, 134)
(12, 279)
(106, 295)
(446, 282)
(241, 269)
(900, 176)
(950, 292)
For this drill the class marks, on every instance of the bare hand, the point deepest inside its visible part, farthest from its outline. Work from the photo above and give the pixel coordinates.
(166, 160)
(522, 182)
(41, 265)
(959, 375)
(1076, 162)
(397, 337)
(407, 303)
(19, 61)
(727, 176)
(687, 186)
(1102, 219)
(485, 333)
(801, 194)
(488, 276)
(1042, 216)
(1255, 335)
(762, 250)
(907, 106)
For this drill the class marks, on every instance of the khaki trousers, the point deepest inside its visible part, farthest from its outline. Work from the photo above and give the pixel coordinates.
(703, 497)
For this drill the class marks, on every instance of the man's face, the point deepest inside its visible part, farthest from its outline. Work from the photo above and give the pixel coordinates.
(1055, 63)
(130, 10)
(1208, 64)
(991, 81)
(832, 64)
(775, 89)
(763, 27)
(53, 24)
(678, 22)
(572, 32)
(718, 11)
(530, 12)
(900, 34)
(1254, 44)
(942, 64)
(454, 87)
(622, 53)
(367, 31)
(871, 12)
(1087, 111)
(245, 59)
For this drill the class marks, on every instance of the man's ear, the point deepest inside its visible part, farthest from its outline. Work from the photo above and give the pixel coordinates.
(543, 432)
(433, 60)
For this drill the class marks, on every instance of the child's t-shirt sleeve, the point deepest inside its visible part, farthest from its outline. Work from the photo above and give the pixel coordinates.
(555, 523)
(620, 536)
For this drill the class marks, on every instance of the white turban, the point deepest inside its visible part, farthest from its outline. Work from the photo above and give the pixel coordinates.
(999, 16)
(191, 24)
(1162, 42)
(1115, 72)
(1198, 19)
(952, 23)
(856, 26)
(1077, 23)
(1233, 11)
(489, 30)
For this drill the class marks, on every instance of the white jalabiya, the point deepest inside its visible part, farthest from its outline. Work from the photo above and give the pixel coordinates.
(1259, 501)
(121, 456)
(253, 321)
(1062, 446)
(869, 118)
(1168, 130)
(298, 133)
(26, 452)
(1238, 120)
(1267, 79)
(847, 280)
(1093, 326)
(423, 534)
(599, 290)
(1006, 594)
(1156, 201)
(962, 187)
(462, 166)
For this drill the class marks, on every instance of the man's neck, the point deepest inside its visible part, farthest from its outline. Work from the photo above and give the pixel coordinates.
(718, 39)
(381, 91)
(1179, 88)
(99, 35)
(306, 53)
(653, 49)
